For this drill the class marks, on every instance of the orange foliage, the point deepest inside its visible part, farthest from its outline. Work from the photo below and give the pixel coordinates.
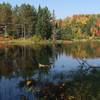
(2, 38)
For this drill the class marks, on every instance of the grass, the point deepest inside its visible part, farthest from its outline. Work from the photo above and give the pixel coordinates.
(35, 40)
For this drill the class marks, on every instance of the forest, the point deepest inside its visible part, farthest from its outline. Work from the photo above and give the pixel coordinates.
(27, 21)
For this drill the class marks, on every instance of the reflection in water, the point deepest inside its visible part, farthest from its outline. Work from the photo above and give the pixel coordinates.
(64, 74)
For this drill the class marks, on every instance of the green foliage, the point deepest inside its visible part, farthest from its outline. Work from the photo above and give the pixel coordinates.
(67, 37)
(36, 38)
(25, 15)
(6, 16)
(5, 13)
(43, 26)
(26, 21)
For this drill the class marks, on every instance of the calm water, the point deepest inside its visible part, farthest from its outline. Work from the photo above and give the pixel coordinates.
(69, 73)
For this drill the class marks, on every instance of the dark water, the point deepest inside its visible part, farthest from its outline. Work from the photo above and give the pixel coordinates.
(71, 72)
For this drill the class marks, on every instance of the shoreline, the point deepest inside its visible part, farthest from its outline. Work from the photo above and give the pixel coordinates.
(30, 42)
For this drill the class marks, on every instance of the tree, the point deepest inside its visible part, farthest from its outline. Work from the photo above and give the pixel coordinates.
(26, 16)
(44, 26)
(6, 16)
(81, 26)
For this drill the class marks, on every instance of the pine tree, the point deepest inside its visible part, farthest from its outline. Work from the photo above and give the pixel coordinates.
(6, 16)
(26, 16)
(43, 26)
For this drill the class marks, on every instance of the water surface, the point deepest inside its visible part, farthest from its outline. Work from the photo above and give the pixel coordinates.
(70, 74)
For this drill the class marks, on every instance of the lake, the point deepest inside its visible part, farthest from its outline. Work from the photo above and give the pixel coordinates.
(50, 72)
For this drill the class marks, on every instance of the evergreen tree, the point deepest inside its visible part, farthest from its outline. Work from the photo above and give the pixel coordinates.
(6, 17)
(5, 13)
(44, 26)
(28, 17)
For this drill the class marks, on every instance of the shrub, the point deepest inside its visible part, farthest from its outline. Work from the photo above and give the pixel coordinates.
(36, 38)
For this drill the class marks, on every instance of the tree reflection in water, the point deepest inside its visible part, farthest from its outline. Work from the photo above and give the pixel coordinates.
(82, 85)
(19, 65)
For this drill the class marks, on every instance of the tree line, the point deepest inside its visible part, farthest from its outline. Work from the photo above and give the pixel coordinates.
(25, 20)
(80, 26)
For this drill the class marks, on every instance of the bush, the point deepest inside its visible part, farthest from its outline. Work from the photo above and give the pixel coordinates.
(36, 38)
(67, 37)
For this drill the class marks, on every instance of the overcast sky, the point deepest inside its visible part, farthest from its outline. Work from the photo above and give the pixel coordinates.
(63, 8)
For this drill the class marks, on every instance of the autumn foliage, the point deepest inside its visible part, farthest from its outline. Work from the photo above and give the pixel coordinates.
(80, 26)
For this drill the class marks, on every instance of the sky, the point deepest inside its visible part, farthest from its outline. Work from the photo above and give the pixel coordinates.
(63, 8)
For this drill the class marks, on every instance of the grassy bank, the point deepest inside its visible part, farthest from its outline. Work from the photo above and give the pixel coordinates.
(29, 41)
